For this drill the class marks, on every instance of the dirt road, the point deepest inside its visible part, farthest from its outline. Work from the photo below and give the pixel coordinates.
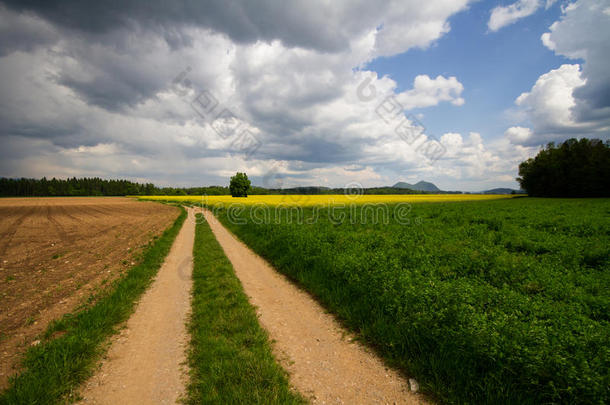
(323, 362)
(144, 364)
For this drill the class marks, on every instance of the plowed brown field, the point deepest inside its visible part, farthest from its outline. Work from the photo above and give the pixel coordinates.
(56, 252)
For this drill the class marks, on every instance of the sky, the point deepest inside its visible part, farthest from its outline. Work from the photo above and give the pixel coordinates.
(300, 93)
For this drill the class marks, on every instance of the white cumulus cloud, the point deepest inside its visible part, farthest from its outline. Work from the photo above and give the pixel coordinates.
(502, 16)
(572, 100)
(518, 135)
(428, 92)
(550, 101)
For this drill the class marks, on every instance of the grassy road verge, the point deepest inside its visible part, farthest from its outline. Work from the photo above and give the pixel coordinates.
(55, 368)
(230, 358)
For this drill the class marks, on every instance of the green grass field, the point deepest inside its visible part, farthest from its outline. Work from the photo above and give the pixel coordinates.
(484, 302)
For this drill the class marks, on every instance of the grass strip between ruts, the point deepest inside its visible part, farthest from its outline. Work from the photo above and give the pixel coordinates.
(55, 368)
(230, 356)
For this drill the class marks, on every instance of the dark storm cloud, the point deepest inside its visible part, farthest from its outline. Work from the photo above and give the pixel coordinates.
(596, 94)
(117, 82)
(295, 24)
(23, 32)
(319, 150)
(13, 148)
(61, 133)
(113, 89)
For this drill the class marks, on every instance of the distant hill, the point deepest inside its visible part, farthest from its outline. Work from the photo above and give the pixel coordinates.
(503, 191)
(419, 186)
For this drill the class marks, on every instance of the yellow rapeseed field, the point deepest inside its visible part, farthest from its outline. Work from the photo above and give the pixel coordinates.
(331, 199)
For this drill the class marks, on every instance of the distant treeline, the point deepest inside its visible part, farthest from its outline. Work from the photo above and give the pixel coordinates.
(94, 187)
(71, 187)
(99, 187)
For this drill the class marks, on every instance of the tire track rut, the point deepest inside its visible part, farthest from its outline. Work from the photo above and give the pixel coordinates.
(8, 235)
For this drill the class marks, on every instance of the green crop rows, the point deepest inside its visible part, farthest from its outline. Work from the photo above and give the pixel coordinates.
(483, 302)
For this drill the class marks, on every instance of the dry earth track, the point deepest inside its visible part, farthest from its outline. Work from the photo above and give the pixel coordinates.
(322, 359)
(144, 363)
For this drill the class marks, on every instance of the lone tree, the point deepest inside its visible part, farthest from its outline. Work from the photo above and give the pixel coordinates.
(240, 185)
(575, 168)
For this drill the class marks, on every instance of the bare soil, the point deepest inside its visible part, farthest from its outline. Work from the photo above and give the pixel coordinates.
(144, 364)
(323, 360)
(56, 252)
